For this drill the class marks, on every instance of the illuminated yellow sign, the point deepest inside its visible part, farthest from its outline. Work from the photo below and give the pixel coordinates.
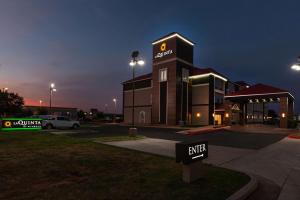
(163, 46)
(163, 51)
(7, 124)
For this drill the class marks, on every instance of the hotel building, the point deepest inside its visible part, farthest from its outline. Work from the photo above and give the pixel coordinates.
(177, 92)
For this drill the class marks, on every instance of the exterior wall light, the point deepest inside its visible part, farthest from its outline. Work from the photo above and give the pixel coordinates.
(198, 115)
(283, 115)
(296, 66)
(227, 115)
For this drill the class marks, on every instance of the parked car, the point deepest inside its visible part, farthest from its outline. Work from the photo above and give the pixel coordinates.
(51, 121)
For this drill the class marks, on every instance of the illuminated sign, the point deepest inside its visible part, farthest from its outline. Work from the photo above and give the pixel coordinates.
(235, 107)
(191, 152)
(21, 124)
(163, 46)
(164, 51)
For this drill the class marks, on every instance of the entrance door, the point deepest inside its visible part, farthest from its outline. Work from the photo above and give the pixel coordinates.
(218, 119)
(163, 102)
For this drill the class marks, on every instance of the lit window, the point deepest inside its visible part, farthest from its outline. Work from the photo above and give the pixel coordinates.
(185, 75)
(162, 75)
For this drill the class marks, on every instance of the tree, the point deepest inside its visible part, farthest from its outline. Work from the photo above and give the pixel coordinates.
(26, 113)
(10, 103)
(42, 111)
(81, 115)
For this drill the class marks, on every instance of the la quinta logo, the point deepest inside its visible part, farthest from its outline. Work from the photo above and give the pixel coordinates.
(163, 51)
(163, 46)
(7, 124)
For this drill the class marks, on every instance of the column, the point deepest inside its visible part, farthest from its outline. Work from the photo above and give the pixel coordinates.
(283, 112)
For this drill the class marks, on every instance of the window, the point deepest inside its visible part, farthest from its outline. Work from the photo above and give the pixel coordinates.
(185, 75)
(61, 118)
(219, 84)
(162, 75)
(219, 98)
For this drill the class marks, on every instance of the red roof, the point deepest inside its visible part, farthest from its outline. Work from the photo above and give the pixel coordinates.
(139, 78)
(258, 89)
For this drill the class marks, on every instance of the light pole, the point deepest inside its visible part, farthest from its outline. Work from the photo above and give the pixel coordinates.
(52, 89)
(115, 102)
(5, 89)
(296, 66)
(134, 62)
(41, 103)
(105, 108)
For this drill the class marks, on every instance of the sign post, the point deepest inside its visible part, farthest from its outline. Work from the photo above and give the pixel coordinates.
(191, 156)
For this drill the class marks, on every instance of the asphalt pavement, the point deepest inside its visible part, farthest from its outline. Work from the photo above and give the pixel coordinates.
(220, 138)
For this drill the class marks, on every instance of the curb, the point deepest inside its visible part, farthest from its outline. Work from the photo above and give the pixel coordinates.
(293, 136)
(245, 191)
(203, 131)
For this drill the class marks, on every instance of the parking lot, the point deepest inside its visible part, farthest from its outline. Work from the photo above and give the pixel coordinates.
(219, 138)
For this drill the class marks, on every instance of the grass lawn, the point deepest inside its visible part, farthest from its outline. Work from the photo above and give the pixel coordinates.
(44, 166)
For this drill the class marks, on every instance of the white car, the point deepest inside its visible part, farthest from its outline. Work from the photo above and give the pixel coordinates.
(50, 122)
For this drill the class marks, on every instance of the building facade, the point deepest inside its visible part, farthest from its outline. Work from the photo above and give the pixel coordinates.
(177, 92)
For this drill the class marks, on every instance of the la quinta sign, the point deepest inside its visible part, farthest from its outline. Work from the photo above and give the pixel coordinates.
(21, 124)
(191, 152)
(163, 51)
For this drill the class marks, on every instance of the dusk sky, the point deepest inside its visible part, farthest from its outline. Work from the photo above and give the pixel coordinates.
(84, 46)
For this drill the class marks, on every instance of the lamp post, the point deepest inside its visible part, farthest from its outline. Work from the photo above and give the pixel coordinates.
(134, 62)
(41, 101)
(105, 108)
(52, 89)
(296, 66)
(5, 89)
(115, 102)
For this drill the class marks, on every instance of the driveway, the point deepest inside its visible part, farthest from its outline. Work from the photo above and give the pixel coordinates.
(220, 138)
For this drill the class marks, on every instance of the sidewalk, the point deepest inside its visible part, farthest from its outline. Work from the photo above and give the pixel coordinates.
(279, 162)
(261, 128)
(218, 155)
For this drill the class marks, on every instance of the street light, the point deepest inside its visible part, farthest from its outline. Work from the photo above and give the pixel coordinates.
(115, 102)
(5, 89)
(134, 62)
(296, 66)
(41, 101)
(52, 89)
(105, 108)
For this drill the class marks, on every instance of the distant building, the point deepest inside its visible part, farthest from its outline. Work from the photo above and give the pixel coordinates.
(62, 111)
(177, 92)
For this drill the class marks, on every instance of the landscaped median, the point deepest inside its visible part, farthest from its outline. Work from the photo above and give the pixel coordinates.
(36, 165)
(294, 135)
